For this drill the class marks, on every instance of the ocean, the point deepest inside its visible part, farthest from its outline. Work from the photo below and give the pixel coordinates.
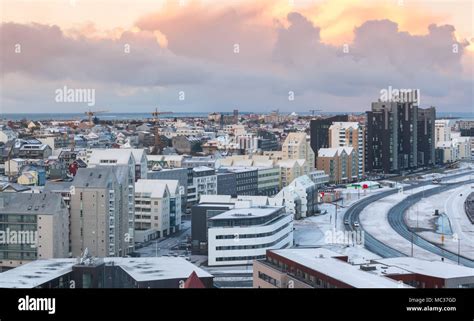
(141, 116)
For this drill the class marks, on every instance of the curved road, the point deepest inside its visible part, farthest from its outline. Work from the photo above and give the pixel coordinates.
(396, 219)
(370, 242)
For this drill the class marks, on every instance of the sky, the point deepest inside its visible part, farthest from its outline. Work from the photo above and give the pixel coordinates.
(193, 56)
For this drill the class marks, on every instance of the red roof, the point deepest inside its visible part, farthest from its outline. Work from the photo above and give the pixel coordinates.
(193, 282)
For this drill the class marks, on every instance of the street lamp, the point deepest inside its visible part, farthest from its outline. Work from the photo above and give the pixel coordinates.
(459, 250)
(156, 248)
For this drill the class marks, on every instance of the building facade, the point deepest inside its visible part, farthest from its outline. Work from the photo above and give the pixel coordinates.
(242, 235)
(32, 226)
(350, 134)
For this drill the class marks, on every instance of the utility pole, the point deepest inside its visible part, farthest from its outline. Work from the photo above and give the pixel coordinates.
(459, 250)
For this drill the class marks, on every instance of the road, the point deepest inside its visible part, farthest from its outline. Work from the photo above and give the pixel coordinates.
(164, 246)
(397, 222)
(370, 242)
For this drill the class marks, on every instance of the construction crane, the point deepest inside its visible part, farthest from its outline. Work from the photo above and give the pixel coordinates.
(157, 114)
(91, 114)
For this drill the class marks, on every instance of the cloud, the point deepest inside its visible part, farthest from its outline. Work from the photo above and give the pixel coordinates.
(192, 49)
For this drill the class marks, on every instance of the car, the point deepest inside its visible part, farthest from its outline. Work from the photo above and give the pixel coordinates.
(356, 224)
(346, 222)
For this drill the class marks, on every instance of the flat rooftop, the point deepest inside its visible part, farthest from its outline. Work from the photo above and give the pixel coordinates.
(443, 270)
(250, 212)
(38, 272)
(324, 261)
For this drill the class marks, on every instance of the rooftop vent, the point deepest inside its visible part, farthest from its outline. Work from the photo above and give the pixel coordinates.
(368, 267)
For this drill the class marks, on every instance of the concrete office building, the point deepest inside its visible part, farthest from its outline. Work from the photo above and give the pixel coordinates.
(32, 226)
(226, 183)
(268, 181)
(200, 214)
(100, 211)
(245, 179)
(205, 182)
(257, 228)
(314, 268)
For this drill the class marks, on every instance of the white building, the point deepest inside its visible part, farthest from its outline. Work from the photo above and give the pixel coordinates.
(299, 197)
(7, 134)
(152, 209)
(177, 195)
(462, 144)
(442, 130)
(241, 235)
(448, 150)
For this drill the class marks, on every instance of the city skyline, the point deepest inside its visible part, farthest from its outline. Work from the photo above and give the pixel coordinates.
(191, 56)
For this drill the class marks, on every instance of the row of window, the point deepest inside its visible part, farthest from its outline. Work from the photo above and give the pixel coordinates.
(248, 247)
(250, 236)
(240, 258)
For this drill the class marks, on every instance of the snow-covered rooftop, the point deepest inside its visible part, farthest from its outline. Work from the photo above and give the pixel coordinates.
(437, 269)
(324, 261)
(38, 272)
(239, 213)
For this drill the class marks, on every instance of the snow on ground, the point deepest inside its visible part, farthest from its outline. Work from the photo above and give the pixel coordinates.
(374, 220)
(312, 231)
(452, 204)
(460, 179)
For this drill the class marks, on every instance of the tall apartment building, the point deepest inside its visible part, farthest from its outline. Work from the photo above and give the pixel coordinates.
(392, 137)
(135, 161)
(297, 146)
(152, 209)
(442, 130)
(32, 226)
(319, 131)
(349, 134)
(100, 211)
(426, 136)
